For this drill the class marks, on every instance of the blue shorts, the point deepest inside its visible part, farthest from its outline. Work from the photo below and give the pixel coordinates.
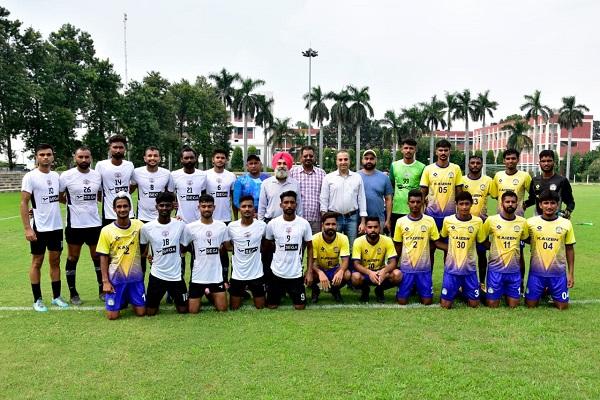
(451, 283)
(503, 284)
(130, 292)
(423, 282)
(556, 285)
(331, 272)
(480, 248)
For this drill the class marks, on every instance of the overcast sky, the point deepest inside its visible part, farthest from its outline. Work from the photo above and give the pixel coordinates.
(404, 51)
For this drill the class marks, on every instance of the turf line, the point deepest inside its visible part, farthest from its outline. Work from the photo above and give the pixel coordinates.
(7, 218)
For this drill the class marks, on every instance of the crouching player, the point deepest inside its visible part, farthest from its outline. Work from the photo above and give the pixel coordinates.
(331, 254)
(463, 231)
(552, 265)
(505, 232)
(414, 235)
(375, 261)
(165, 236)
(247, 237)
(120, 261)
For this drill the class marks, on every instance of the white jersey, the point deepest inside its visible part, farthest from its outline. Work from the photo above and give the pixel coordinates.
(165, 240)
(288, 236)
(82, 197)
(219, 186)
(246, 241)
(44, 188)
(115, 179)
(150, 184)
(188, 188)
(207, 240)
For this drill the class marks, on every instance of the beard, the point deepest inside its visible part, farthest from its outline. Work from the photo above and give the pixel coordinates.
(369, 166)
(118, 156)
(83, 165)
(510, 210)
(330, 232)
(281, 173)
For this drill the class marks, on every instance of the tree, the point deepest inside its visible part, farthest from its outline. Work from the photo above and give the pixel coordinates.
(264, 118)
(394, 126)
(451, 106)
(318, 113)
(570, 117)
(490, 159)
(518, 139)
(224, 85)
(252, 150)
(433, 112)
(534, 109)
(237, 159)
(465, 110)
(339, 112)
(359, 112)
(281, 132)
(483, 106)
(245, 105)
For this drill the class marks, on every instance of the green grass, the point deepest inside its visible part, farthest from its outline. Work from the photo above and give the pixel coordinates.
(335, 353)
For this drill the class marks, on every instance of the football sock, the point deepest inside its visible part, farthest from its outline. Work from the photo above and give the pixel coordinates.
(56, 289)
(70, 268)
(36, 289)
(98, 274)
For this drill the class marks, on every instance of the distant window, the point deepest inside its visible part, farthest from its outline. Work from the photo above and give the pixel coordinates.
(239, 133)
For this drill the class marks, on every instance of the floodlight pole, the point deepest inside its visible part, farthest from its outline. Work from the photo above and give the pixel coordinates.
(310, 53)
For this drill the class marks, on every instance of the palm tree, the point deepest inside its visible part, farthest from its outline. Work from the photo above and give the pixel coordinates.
(451, 106)
(264, 118)
(433, 113)
(339, 112)
(281, 131)
(484, 106)
(394, 123)
(224, 84)
(535, 109)
(465, 110)
(518, 139)
(359, 112)
(318, 113)
(245, 105)
(570, 117)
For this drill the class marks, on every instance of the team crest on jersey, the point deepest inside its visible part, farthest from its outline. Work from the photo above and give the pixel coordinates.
(482, 186)
(165, 233)
(517, 228)
(86, 182)
(151, 180)
(117, 175)
(450, 174)
(335, 249)
(189, 182)
(378, 250)
(423, 228)
(288, 229)
(558, 230)
(49, 182)
(208, 234)
(553, 187)
(515, 181)
(471, 229)
(539, 228)
(407, 175)
(219, 180)
(247, 234)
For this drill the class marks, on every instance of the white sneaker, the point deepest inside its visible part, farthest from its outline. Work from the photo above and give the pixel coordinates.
(59, 302)
(39, 305)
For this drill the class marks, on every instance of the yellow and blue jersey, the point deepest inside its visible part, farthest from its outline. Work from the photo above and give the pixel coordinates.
(415, 236)
(327, 255)
(463, 237)
(518, 182)
(548, 240)
(122, 246)
(480, 190)
(442, 183)
(373, 257)
(505, 242)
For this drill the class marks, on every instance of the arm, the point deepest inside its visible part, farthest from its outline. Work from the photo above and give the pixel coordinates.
(237, 187)
(398, 246)
(570, 253)
(62, 197)
(567, 198)
(310, 265)
(362, 205)
(107, 287)
(24, 211)
(391, 265)
(441, 245)
(262, 203)
(388, 213)
(531, 198)
(324, 197)
(374, 276)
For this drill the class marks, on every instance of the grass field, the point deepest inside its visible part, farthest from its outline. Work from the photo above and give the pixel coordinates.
(322, 352)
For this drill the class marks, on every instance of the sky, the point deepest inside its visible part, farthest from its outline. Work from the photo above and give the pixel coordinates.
(404, 51)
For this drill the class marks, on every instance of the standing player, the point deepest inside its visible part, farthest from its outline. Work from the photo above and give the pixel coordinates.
(165, 236)
(246, 236)
(207, 236)
(479, 186)
(405, 175)
(378, 191)
(249, 183)
(116, 175)
(80, 189)
(460, 266)
(511, 179)
(310, 179)
(119, 250)
(331, 254)
(440, 183)
(41, 187)
(505, 231)
(415, 234)
(552, 265)
(375, 262)
(289, 233)
(548, 180)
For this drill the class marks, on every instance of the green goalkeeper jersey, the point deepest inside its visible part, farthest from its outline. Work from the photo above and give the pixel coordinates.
(404, 177)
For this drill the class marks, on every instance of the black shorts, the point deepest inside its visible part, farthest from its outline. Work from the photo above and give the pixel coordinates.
(294, 287)
(158, 287)
(79, 236)
(51, 240)
(197, 290)
(256, 286)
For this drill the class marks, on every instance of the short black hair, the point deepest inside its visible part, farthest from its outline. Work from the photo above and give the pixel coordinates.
(409, 141)
(82, 148)
(444, 144)
(307, 147)
(372, 218)
(289, 193)
(220, 151)
(206, 198)
(44, 146)
(329, 214)
(122, 195)
(509, 152)
(185, 149)
(117, 139)
(547, 153)
(509, 193)
(549, 195)
(246, 197)
(151, 148)
(472, 156)
(464, 195)
(415, 193)
(165, 197)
